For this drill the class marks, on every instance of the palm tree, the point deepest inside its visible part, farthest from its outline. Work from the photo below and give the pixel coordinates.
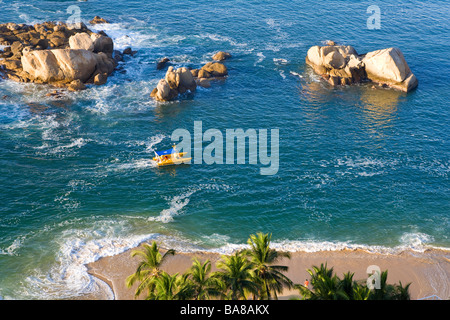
(326, 286)
(402, 292)
(385, 291)
(389, 291)
(203, 285)
(352, 289)
(262, 258)
(360, 292)
(148, 269)
(236, 274)
(347, 284)
(170, 287)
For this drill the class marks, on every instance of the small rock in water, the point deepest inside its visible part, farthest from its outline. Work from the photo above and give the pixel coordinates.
(53, 93)
(127, 50)
(76, 85)
(162, 63)
(98, 20)
(100, 78)
(221, 55)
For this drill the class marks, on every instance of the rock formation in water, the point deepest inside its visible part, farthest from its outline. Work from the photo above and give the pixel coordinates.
(59, 54)
(181, 80)
(341, 65)
(175, 82)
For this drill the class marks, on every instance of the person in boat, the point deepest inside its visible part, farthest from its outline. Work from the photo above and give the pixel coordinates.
(175, 154)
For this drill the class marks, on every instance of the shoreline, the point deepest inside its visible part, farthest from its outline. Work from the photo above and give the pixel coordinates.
(428, 271)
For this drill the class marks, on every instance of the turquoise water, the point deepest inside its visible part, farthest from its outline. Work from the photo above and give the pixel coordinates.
(358, 167)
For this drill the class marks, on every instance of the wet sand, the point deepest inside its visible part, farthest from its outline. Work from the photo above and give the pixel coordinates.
(428, 272)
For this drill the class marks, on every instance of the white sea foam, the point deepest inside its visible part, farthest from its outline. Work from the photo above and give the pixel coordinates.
(68, 276)
(296, 74)
(418, 242)
(280, 61)
(261, 58)
(220, 38)
(75, 143)
(11, 250)
(123, 36)
(282, 74)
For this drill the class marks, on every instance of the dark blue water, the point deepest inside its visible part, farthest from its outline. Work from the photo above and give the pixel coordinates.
(359, 167)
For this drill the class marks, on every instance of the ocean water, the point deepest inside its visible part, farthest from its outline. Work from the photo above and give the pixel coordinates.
(359, 167)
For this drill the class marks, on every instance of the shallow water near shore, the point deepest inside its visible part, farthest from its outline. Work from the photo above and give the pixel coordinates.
(359, 167)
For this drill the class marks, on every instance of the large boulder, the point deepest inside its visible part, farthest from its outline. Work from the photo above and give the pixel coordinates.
(334, 60)
(317, 54)
(102, 43)
(105, 64)
(216, 69)
(59, 65)
(163, 88)
(186, 81)
(81, 41)
(388, 66)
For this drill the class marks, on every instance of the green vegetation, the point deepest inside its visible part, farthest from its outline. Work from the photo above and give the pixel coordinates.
(148, 271)
(328, 286)
(249, 274)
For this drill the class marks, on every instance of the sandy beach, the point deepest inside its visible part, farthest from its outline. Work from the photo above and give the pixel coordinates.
(428, 272)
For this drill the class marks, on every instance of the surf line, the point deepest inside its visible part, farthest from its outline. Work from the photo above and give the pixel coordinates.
(257, 141)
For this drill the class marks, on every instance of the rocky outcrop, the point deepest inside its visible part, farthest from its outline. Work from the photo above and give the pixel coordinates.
(182, 80)
(174, 83)
(57, 54)
(341, 65)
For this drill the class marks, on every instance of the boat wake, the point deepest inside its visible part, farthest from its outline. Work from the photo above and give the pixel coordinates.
(146, 161)
(176, 206)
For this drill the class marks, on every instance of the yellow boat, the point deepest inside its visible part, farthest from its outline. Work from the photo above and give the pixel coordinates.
(170, 157)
